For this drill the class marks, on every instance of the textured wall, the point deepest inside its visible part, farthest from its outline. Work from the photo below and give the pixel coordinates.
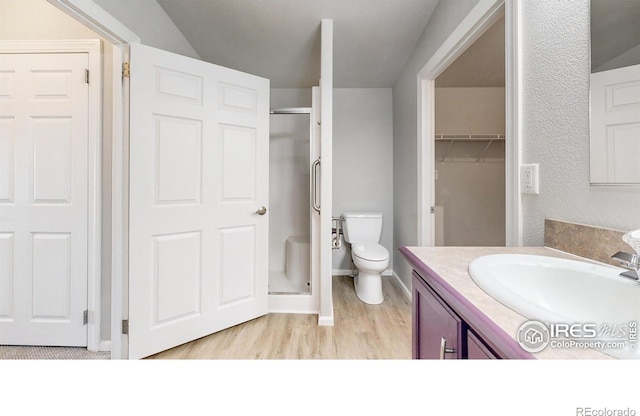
(556, 68)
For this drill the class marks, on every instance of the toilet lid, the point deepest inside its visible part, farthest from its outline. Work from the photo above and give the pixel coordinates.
(370, 252)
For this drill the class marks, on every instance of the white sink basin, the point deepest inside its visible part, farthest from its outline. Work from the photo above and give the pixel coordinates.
(554, 290)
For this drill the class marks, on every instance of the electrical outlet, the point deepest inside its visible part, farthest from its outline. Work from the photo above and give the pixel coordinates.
(529, 177)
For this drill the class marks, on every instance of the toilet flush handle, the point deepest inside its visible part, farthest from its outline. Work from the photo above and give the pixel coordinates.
(262, 210)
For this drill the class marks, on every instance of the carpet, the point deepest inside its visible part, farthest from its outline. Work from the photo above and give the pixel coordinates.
(8, 352)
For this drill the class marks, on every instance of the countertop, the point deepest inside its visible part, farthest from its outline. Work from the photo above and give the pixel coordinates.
(451, 265)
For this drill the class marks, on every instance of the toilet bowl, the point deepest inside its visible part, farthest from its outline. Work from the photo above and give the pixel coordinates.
(362, 230)
(370, 260)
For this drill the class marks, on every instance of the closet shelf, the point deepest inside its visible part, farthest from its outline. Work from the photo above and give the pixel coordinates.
(451, 138)
(469, 137)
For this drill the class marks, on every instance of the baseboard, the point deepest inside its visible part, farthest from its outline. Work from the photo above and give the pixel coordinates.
(325, 321)
(389, 272)
(406, 291)
(104, 346)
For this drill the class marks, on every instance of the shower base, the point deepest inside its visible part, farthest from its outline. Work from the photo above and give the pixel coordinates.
(280, 284)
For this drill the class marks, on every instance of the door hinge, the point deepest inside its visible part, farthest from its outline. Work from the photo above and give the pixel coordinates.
(86, 76)
(433, 210)
(85, 317)
(126, 71)
(125, 326)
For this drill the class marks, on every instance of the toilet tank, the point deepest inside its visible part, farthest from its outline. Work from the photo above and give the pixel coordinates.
(362, 227)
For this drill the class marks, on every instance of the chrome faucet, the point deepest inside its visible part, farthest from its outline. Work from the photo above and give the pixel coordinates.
(628, 261)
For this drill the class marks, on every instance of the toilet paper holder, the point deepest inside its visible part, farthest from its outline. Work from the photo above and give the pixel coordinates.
(336, 231)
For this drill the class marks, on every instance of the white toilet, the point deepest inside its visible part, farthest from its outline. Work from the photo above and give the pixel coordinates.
(362, 230)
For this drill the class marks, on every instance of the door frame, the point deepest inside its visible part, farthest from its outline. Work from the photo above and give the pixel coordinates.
(479, 19)
(93, 50)
(95, 18)
(304, 302)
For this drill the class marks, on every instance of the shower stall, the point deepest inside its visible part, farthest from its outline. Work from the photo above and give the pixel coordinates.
(294, 168)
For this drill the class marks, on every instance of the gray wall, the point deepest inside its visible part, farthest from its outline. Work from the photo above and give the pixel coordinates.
(470, 110)
(149, 21)
(471, 193)
(628, 58)
(556, 68)
(363, 159)
(290, 97)
(445, 18)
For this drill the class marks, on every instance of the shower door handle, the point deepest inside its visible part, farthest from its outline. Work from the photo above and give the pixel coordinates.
(314, 185)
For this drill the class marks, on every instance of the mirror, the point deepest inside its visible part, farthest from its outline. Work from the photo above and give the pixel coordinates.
(615, 92)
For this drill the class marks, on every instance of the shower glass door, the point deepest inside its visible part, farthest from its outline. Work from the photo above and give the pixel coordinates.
(289, 200)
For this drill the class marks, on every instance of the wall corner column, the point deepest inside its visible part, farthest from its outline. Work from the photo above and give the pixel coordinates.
(325, 316)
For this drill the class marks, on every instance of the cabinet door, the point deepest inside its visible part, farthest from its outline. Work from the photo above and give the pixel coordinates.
(476, 349)
(437, 330)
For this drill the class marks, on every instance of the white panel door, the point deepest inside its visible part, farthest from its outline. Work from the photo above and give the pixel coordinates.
(615, 126)
(199, 151)
(43, 199)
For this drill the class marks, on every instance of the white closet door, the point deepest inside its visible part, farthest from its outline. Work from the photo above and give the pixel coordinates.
(43, 199)
(199, 154)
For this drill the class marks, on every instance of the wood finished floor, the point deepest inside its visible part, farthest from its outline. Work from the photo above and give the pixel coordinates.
(360, 331)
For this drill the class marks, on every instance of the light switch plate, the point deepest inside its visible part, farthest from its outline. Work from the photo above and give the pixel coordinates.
(529, 178)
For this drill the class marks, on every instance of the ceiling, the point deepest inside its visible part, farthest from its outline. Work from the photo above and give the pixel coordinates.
(280, 39)
(373, 39)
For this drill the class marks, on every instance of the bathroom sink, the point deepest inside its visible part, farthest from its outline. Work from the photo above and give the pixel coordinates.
(561, 291)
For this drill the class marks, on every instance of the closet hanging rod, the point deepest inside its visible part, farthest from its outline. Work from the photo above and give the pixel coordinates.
(488, 138)
(469, 137)
(291, 110)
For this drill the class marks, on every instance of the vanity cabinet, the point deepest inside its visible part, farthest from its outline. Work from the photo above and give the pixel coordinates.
(476, 348)
(438, 331)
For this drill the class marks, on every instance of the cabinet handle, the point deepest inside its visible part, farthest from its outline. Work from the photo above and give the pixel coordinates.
(443, 348)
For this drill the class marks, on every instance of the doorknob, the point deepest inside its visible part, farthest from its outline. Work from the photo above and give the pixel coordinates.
(261, 211)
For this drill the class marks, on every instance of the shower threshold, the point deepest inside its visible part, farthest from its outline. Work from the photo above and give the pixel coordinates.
(280, 284)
